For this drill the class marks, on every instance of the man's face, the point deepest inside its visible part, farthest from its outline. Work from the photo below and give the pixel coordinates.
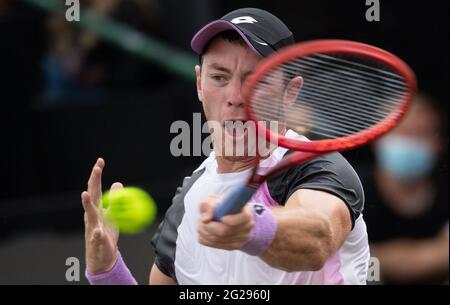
(220, 82)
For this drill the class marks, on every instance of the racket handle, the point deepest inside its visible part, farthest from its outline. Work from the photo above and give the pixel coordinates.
(234, 202)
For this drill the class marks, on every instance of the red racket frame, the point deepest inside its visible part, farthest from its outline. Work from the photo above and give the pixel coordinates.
(312, 149)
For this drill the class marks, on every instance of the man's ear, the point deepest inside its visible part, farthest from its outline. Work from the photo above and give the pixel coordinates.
(198, 77)
(293, 90)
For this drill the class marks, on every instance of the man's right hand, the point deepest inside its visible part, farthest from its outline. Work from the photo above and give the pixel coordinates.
(100, 237)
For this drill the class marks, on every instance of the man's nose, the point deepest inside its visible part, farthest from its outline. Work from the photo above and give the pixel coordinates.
(236, 97)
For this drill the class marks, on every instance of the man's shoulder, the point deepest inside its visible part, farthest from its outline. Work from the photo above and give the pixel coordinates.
(208, 161)
(331, 173)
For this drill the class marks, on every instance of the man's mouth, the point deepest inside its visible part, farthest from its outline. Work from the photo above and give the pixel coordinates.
(236, 127)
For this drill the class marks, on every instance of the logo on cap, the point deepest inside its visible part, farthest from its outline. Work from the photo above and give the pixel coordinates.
(243, 19)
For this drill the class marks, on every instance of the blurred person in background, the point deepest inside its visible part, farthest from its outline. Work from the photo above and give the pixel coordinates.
(79, 66)
(407, 200)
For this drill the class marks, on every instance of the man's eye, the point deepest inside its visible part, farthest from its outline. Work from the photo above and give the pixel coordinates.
(219, 78)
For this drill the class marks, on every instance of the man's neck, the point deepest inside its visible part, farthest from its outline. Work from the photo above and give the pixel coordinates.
(233, 164)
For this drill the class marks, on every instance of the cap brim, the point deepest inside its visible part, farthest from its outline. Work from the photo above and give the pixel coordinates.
(210, 30)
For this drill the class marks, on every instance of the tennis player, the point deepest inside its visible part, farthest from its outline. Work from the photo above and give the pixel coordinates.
(303, 226)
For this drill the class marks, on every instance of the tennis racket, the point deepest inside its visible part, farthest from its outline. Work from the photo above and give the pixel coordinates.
(341, 94)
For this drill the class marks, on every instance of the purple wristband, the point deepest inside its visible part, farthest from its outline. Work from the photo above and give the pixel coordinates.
(118, 275)
(263, 231)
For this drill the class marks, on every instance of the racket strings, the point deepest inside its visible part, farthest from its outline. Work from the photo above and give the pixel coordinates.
(340, 95)
(346, 82)
(290, 115)
(360, 68)
(362, 120)
(344, 103)
(345, 79)
(346, 85)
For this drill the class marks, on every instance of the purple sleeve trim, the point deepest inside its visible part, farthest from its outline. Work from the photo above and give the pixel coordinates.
(118, 275)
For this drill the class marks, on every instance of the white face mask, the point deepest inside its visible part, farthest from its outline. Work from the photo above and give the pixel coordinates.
(405, 158)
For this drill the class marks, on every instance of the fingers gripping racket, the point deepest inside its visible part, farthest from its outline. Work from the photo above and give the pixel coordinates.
(340, 94)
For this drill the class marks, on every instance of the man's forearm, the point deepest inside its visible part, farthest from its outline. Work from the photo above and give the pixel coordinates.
(303, 242)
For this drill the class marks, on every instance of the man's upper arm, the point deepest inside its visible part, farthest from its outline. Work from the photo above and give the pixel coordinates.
(331, 174)
(158, 278)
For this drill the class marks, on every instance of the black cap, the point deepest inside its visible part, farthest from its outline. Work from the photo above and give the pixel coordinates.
(263, 32)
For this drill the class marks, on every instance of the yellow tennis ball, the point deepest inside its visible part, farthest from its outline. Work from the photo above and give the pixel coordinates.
(129, 209)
